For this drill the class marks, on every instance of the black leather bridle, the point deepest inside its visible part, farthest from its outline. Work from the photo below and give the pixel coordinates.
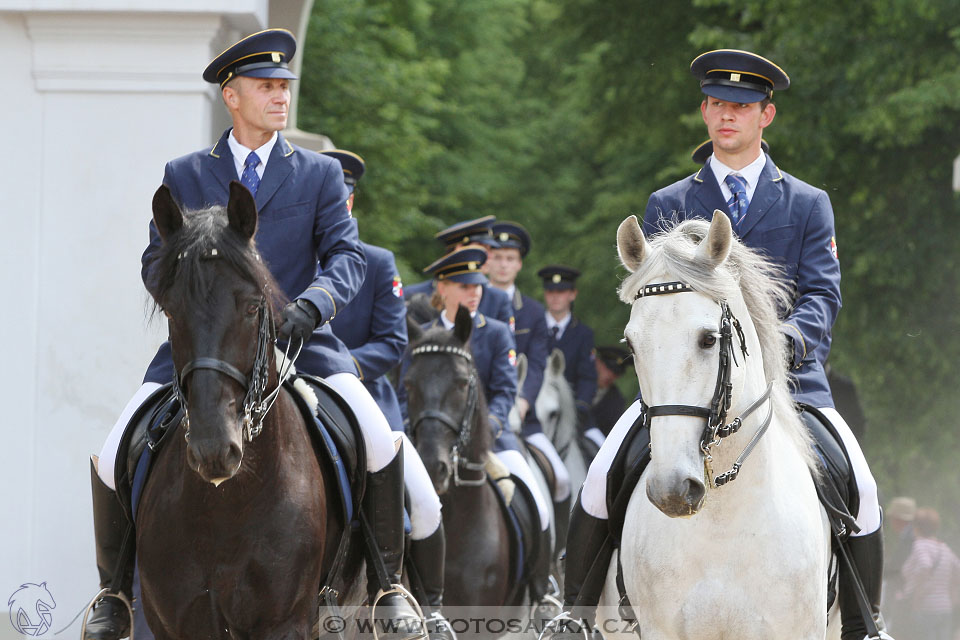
(257, 402)
(717, 427)
(462, 428)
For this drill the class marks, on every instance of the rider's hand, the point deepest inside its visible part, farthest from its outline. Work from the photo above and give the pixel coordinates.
(522, 408)
(300, 318)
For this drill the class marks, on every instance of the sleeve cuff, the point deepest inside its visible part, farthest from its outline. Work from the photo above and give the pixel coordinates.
(323, 301)
(799, 344)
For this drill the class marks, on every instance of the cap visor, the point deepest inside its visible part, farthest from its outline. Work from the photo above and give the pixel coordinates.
(474, 277)
(270, 72)
(733, 94)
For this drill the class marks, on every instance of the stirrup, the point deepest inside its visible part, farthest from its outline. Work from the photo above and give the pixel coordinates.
(549, 600)
(565, 623)
(106, 593)
(400, 590)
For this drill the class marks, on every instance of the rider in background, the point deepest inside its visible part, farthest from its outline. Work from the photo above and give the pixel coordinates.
(793, 223)
(459, 281)
(575, 339)
(608, 403)
(373, 326)
(303, 223)
(479, 232)
(530, 332)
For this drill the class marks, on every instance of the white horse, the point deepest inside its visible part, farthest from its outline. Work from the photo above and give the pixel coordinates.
(749, 559)
(556, 410)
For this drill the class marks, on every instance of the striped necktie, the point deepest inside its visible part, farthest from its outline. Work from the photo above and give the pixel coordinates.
(249, 178)
(738, 202)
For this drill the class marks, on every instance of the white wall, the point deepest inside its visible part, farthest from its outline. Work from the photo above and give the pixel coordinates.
(97, 97)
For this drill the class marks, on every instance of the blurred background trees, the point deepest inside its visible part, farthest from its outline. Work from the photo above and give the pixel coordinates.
(565, 115)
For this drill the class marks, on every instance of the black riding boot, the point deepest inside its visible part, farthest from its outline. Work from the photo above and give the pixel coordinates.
(383, 507)
(866, 552)
(110, 618)
(585, 548)
(427, 557)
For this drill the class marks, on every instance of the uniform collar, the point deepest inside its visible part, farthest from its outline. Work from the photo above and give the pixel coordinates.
(562, 324)
(448, 324)
(240, 152)
(750, 173)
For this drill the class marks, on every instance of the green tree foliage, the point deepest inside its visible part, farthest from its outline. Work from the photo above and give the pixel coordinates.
(566, 114)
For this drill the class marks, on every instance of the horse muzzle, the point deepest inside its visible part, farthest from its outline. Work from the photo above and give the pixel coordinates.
(680, 498)
(216, 460)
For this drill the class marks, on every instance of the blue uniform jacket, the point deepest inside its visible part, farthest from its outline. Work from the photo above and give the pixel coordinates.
(303, 220)
(580, 371)
(792, 222)
(494, 355)
(374, 327)
(495, 303)
(530, 333)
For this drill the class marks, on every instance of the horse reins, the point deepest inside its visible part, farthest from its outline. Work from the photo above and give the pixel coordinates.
(717, 427)
(463, 429)
(257, 402)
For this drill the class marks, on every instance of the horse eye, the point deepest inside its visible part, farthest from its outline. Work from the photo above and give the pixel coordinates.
(252, 309)
(708, 340)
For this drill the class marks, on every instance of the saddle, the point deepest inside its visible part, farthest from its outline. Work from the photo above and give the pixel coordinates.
(543, 463)
(836, 484)
(522, 520)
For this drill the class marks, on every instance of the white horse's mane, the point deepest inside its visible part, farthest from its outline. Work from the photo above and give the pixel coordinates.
(765, 293)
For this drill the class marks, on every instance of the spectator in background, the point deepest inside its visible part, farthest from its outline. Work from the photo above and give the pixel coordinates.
(929, 574)
(898, 517)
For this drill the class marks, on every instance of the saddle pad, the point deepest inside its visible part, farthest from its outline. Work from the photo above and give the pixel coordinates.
(516, 535)
(342, 426)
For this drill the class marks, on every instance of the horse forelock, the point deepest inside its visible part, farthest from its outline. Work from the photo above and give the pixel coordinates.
(746, 273)
(481, 438)
(182, 256)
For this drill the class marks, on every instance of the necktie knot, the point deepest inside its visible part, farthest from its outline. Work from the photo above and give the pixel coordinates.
(738, 202)
(555, 331)
(249, 178)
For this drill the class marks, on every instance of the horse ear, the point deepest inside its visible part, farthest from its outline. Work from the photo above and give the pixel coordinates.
(166, 212)
(716, 246)
(414, 332)
(557, 362)
(463, 325)
(242, 210)
(521, 370)
(632, 247)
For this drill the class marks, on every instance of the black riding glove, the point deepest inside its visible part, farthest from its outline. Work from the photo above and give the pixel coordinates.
(300, 318)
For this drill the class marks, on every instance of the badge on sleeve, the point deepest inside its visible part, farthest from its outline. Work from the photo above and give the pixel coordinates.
(512, 357)
(513, 325)
(397, 286)
(833, 248)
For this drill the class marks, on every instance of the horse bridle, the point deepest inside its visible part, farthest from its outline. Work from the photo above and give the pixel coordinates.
(717, 427)
(462, 428)
(256, 402)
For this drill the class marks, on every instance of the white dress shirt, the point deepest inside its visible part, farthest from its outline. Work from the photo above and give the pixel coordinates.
(241, 152)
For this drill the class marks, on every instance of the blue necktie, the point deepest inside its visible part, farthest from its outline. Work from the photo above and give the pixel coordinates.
(738, 202)
(249, 178)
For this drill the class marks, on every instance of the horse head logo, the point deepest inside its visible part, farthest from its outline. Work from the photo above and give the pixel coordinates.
(30, 607)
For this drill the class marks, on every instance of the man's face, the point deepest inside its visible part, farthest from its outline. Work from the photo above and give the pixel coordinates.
(559, 302)
(505, 264)
(735, 127)
(261, 104)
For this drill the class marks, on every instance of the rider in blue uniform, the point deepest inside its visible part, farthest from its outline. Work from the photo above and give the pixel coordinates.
(373, 326)
(460, 281)
(793, 223)
(303, 222)
(572, 337)
(495, 303)
(530, 331)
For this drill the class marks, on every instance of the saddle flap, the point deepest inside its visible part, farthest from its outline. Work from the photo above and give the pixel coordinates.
(342, 425)
(837, 484)
(625, 472)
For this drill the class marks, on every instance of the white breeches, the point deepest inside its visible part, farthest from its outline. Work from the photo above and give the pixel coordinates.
(377, 436)
(425, 513)
(518, 467)
(593, 497)
(562, 489)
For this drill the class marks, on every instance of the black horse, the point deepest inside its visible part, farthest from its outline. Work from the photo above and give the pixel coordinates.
(449, 427)
(238, 522)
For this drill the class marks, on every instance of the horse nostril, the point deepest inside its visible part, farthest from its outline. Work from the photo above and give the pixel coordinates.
(693, 492)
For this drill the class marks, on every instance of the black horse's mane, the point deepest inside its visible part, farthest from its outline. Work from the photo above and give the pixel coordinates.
(481, 438)
(181, 255)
